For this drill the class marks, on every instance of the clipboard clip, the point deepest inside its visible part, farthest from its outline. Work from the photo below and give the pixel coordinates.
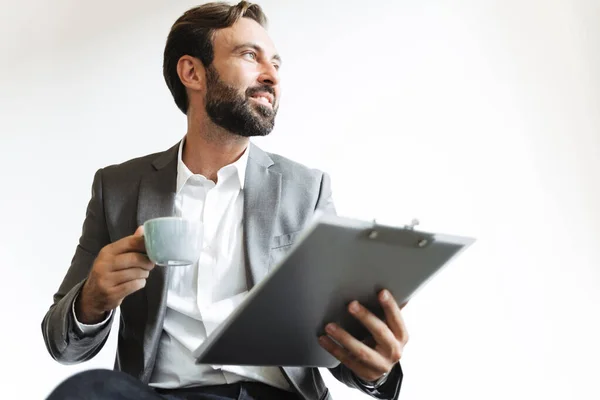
(411, 227)
(409, 237)
(412, 224)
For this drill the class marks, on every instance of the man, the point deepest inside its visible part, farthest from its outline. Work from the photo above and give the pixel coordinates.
(222, 69)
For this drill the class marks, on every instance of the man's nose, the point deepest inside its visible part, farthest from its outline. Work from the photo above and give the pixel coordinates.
(269, 75)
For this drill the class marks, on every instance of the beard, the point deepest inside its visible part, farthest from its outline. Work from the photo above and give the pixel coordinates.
(236, 113)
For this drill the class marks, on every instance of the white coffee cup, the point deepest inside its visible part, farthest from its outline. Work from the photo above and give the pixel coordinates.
(173, 241)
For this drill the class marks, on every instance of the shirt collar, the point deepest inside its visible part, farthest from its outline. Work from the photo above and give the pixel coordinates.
(184, 173)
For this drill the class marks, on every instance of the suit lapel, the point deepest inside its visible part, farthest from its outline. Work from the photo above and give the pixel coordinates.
(156, 199)
(157, 188)
(262, 194)
(262, 191)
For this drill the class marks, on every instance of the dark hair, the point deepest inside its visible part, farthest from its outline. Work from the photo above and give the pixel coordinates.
(192, 34)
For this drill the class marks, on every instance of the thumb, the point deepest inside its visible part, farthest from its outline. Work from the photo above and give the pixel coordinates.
(139, 231)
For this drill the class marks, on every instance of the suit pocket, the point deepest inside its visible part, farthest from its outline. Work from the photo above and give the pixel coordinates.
(284, 240)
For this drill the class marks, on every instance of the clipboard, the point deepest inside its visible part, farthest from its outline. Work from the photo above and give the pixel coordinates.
(335, 260)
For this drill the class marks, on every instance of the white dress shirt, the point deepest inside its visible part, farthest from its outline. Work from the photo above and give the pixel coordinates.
(202, 295)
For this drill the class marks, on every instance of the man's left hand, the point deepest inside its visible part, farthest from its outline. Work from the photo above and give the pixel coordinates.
(389, 336)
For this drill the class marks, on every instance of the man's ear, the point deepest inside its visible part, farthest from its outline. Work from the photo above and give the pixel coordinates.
(191, 73)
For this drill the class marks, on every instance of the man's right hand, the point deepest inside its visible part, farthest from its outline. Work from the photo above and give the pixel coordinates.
(120, 269)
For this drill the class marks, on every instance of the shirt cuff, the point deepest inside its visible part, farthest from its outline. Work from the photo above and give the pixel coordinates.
(374, 384)
(85, 328)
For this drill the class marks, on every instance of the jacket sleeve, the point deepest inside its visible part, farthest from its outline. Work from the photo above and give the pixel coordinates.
(64, 341)
(390, 390)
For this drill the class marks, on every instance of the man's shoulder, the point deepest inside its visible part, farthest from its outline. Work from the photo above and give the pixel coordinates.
(137, 166)
(133, 164)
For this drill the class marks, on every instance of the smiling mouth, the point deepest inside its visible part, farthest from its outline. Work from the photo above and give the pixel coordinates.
(265, 99)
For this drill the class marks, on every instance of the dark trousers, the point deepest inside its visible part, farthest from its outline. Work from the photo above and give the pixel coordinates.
(100, 384)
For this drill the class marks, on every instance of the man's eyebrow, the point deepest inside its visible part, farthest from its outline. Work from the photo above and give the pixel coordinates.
(257, 48)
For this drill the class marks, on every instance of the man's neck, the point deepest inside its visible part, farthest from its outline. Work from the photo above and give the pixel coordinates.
(208, 148)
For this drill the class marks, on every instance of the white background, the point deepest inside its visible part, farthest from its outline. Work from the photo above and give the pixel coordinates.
(478, 117)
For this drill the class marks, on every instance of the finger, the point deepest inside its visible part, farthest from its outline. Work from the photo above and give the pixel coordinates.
(125, 289)
(133, 243)
(357, 349)
(379, 330)
(129, 274)
(132, 260)
(139, 231)
(393, 316)
(346, 358)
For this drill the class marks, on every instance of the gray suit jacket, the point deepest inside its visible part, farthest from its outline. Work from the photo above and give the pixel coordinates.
(280, 197)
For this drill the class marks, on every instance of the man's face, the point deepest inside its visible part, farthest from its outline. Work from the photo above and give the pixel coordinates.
(242, 83)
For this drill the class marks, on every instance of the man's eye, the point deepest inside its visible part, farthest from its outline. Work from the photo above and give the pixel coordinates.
(277, 66)
(251, 55)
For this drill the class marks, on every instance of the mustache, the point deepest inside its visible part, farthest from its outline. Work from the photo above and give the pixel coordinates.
(260, 89)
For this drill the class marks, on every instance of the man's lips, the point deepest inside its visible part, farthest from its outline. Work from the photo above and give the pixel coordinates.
(264, 98)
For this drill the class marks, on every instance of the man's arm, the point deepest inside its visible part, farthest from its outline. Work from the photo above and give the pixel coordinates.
(102, 274)
(64, 342)
(389, 388)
